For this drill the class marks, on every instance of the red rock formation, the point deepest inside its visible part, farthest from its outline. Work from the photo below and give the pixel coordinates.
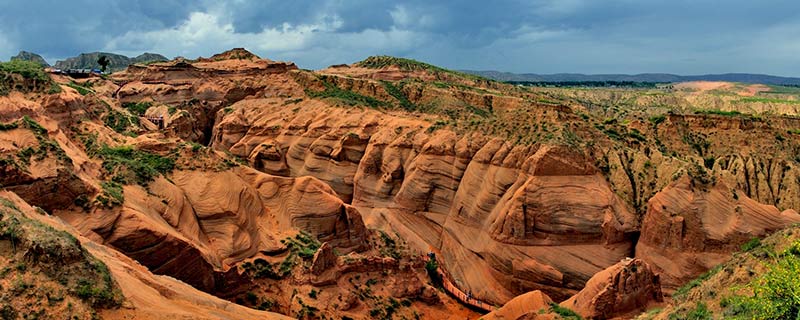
(323, 260)
(691, 227)
(146, 296)
(469, 196)
(623, 289)
(527, 306)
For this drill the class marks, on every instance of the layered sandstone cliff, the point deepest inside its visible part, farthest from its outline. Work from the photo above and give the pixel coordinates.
(694, 225)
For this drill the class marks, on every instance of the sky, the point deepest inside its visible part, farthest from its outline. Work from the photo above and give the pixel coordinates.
(535, 36)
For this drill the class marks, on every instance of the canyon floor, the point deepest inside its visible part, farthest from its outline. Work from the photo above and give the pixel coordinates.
(237, 187)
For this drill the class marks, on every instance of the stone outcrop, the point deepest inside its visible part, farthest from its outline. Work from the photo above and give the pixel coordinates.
(529, 306)
(324, 259)
(623, 289)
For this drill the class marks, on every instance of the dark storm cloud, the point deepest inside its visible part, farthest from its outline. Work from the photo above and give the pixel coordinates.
(57, 29)
(520, 36)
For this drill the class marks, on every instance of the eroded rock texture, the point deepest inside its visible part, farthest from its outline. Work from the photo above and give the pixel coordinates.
(691, 227)
(623, 289)
(507, 219)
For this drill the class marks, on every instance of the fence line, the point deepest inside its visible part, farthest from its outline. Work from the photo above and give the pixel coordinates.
(460, 295)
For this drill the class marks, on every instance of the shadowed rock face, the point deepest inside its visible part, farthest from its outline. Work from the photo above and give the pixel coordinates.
(198, 225)
(690, 227)
(623, 289)
(58, 257)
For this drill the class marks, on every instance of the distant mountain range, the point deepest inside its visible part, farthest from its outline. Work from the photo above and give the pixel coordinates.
(644, 77)
(117, 62)
(30, 56)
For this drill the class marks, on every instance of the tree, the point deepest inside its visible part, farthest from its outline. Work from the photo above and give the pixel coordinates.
(103, 62)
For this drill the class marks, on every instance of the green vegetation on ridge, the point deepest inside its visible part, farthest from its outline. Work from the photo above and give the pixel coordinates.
(345, 96)
(32, 74)
(377, 62)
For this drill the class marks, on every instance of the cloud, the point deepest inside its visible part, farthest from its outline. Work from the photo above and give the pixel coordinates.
(6, 48)
(544, 36)
(205, 34)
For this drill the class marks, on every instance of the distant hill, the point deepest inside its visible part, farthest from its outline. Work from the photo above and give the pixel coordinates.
(117, 62)
(644, 77)
(30, 56)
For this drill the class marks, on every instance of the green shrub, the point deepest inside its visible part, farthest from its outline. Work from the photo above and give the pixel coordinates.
(8, 126)
(565, 313)
(345, 96)
(27, 69)
(377, 62)
(752, 244)
(776, 293)
(260, 268)
(768, 100)
(635, 134)
(120, 122)
(682, 291)
(34, 126)
(81, 89)
(125, 162)
(718, 112)
(700, 312)
(398, 94)
(33, 74)
(267, 304)
(708, 162)
(137, 107)
(112, 195)
(656, 120)
(436, 126)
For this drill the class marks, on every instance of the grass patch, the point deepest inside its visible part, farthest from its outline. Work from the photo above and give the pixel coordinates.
(112, 194)
(9, 126)
(752, 244)
(121, 122)
(27, 69)
(775, 294)
(656, 120)
(768, 100)
(378, 62)
(718, 112)
(699, 312)
(58, 255)
(33, 77)
(127, 164)
(389, 248)
(81, 89)
(345, 96)
(398, 94)
(565, 313)
(684, 290)
(260, 268)
(137, 107)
